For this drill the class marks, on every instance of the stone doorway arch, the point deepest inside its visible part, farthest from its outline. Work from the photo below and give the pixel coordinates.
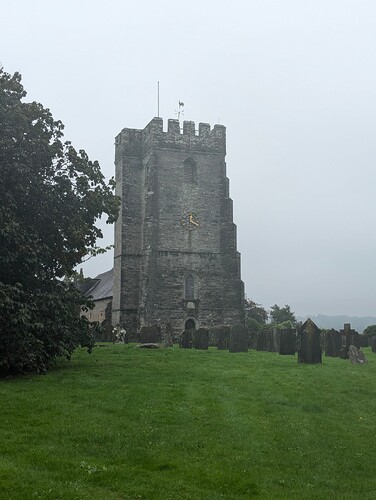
(190, 324)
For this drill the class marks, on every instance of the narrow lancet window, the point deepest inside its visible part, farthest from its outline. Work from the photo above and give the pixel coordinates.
(190, 171)
(189, 287)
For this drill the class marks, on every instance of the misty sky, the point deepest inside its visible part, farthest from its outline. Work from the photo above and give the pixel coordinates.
(293, 81)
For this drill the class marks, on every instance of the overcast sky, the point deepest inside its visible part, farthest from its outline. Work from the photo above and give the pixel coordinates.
(294, 82)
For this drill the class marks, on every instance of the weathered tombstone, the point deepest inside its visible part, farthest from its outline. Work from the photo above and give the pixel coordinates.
(168, 336)
(238, 339)
(269, 344)
(201, 338)
(309, 343)
(364, 341)
(186, 339)
(261, 339)
(356, 356)
(276, 335)
(333, 343)
(373, 343)
(287, 341)
(150, 334)
(349, 337)
(252, 338)
(223, 337)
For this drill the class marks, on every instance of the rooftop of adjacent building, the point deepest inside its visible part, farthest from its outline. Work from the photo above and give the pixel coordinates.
(100, 287)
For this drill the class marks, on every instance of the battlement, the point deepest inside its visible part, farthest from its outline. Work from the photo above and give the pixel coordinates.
(139, 142)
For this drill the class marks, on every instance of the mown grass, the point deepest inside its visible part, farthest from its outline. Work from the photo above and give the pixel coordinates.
(128, 423)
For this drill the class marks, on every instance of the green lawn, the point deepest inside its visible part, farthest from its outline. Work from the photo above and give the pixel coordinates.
(128, 423)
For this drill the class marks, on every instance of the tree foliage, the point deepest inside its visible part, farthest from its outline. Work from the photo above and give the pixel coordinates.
(51, 197)
(281, 314)
(370, 331)
(255, 311)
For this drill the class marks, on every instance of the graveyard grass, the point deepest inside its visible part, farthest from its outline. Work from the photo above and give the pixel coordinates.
(128, 423)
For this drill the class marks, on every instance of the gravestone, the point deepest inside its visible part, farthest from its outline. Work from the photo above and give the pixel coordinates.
(238, 339)
(309, 343)
(261, 339)
(150, 334)
(274, 340)
(287, 341)
(222, 334)
(168, 336)
(364, 341)
(333, 343)
(349, 337)
(186, 339)
(269, 340)
(373, 343)
(201, 338)
(356, 356)
(252, 338)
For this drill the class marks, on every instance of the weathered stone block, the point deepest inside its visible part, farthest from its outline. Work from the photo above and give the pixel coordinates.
(186, 339)
(222, 334)
(238, 339)
(332, 343)
(309, 343)
(287, 341)
(150, 334)
(201, 339)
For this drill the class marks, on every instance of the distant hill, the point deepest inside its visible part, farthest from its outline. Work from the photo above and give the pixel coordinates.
(357, 323)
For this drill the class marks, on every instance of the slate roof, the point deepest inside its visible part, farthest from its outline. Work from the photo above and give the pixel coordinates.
(101, 286)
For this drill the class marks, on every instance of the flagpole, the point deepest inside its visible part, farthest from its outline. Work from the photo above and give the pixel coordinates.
(158, 97)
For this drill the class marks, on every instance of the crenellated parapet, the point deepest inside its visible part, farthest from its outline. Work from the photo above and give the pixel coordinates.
(139, 142)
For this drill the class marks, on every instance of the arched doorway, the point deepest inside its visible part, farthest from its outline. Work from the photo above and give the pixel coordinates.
(190, 324)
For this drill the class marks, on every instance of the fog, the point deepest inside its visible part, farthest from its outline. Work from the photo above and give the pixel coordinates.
(294, 83)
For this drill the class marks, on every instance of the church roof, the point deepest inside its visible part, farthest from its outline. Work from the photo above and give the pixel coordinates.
(101, 286)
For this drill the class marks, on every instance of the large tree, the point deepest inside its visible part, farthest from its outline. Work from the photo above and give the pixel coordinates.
(281, 314)
(51, 198)
(370, 331)
(255, 311)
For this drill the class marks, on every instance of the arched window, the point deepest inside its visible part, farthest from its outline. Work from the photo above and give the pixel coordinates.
(189, 287)
(190, 171)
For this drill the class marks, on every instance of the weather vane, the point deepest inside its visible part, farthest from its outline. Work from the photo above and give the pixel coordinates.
(180, 111)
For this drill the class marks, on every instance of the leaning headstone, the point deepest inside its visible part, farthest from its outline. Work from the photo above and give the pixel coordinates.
(238, 339)
(223, 337)
(287, 341)
(309, 343)
(333, 343)
(186, 339)
(150, 334)
(201, 338)
(356, 356)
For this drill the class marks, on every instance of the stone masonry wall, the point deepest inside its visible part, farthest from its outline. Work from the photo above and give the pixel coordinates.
(156, 247)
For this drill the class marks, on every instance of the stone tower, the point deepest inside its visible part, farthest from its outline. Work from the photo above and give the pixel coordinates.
(175, 241)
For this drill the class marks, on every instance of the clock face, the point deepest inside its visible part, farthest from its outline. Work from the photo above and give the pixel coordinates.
(190, 221)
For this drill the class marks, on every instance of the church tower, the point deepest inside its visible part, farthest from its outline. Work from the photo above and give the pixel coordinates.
(175, 241)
